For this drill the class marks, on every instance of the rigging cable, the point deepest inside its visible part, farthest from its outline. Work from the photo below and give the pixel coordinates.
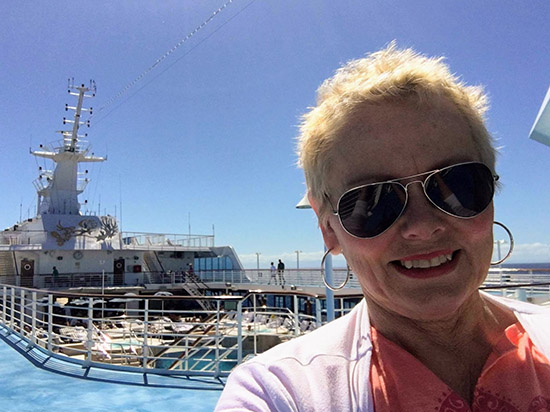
(162, 58)
(91, 202)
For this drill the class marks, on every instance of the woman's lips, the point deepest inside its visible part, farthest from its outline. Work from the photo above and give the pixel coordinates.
(428, 265)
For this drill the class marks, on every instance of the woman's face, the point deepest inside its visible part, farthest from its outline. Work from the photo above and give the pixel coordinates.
(394, 140)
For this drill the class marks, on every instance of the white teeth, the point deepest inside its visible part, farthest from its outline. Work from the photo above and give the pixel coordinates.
(424, 263)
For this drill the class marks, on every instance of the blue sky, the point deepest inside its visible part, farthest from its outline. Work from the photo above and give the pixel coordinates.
(209, 133)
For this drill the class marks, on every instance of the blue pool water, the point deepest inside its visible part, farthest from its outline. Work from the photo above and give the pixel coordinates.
(201, 359)
(25, 387)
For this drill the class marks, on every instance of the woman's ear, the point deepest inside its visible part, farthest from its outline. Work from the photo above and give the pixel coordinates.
(329, 235)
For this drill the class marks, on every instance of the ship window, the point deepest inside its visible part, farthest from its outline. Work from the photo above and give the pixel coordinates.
(213, 263)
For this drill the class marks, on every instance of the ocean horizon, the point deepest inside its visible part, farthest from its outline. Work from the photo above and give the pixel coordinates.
(541, 265)
(544, 265)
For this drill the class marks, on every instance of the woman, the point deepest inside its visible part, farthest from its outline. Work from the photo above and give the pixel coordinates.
(400, 171)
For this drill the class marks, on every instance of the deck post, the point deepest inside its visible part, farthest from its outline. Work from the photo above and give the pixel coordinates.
(217, 351)
(22, 313)
(318, 316)
(12, 309)
(328, 292)
(50, 322)
(144, 348)
(521, 295)
(254, 320)
(4, 295)
(33, 319)
(240, 331)
(296, 316)
(90, 341)
(186, 353)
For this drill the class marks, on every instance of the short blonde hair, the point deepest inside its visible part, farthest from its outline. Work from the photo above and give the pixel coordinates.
(384, 76)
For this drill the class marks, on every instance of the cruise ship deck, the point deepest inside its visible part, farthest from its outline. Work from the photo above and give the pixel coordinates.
(28, 388)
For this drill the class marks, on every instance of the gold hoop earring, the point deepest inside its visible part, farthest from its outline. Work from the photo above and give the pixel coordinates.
(333, 288)
(498, 262)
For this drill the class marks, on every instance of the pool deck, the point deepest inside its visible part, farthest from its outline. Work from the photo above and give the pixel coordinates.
(26, 387)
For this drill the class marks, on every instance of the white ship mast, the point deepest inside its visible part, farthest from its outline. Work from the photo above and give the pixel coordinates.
(58, 190)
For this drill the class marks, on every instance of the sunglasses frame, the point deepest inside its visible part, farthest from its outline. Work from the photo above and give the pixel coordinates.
(405, 187)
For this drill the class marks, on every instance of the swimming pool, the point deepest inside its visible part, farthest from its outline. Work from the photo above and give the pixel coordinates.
(202, 358)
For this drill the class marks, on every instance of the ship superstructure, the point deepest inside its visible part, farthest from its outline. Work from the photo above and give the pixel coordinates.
(86, 245)
(58, 191)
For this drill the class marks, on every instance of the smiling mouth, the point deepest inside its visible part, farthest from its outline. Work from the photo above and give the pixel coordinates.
(426, 263)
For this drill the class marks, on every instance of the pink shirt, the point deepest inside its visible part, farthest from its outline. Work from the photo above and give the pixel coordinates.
(515, 378)
(329, 370)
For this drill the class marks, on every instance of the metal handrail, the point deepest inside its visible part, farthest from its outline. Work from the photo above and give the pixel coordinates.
(139, 337)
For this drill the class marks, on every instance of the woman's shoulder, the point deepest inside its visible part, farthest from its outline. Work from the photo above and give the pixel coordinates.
(535, 319)
(295, 375)
(518, 306)
(346, 338)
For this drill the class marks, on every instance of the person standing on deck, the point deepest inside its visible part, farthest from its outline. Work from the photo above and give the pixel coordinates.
(273, 274)
(190, 271)
(281, 272)
(55, 275)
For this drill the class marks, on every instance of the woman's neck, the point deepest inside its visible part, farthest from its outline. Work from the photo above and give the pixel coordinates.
(454, 348)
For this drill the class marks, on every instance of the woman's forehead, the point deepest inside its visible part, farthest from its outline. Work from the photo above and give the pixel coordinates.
(388, 117)
(388, 141)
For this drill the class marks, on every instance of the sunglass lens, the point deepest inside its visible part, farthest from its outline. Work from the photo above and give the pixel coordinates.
(370, 210)
(464, 190)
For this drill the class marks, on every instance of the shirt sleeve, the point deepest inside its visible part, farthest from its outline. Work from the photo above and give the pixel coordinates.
(251, 387)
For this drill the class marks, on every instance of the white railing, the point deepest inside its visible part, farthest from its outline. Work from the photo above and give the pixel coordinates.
(518, 283)
(22, 239)
(523, 284)
(174, 335)
(158, 335)
(509, 277)
(140, 240)
(297, 277)
(505, 278)
(131, 240)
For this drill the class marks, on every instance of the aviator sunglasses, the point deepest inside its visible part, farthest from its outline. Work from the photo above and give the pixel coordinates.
(463, 190)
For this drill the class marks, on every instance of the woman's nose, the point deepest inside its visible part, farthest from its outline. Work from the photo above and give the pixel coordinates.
(421, 220)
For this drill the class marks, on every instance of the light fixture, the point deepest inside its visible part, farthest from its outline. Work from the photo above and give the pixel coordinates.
(303, 203)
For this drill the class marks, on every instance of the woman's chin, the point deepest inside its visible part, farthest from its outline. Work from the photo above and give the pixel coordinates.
(435, 307)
